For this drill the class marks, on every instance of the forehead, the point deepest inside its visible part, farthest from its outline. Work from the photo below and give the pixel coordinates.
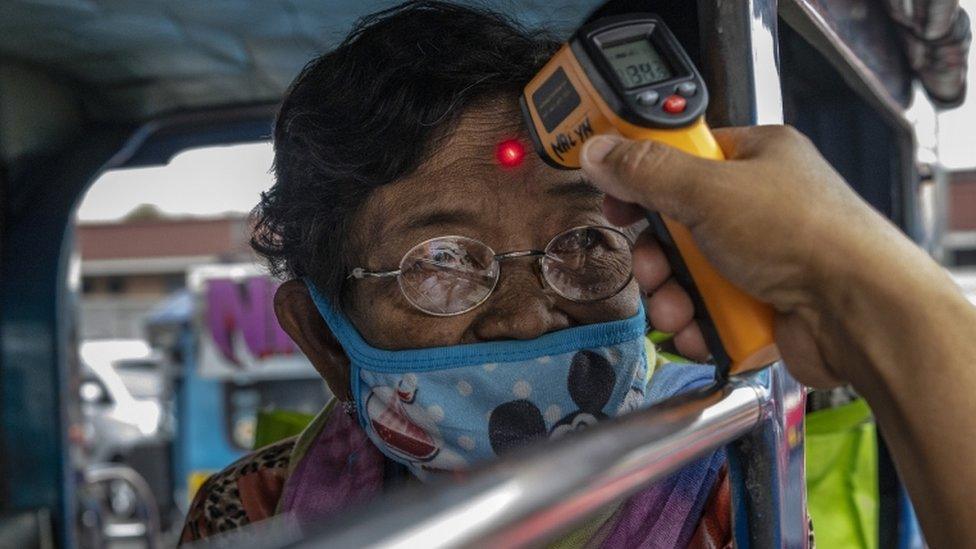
(462, 189)
(466, 161)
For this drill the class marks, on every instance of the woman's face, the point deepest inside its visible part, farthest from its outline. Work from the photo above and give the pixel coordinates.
(462, 190)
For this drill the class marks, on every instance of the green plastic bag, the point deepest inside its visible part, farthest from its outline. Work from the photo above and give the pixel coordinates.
(842, 476)
(275, 425)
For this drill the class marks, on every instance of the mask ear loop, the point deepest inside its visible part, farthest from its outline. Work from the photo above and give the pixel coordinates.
(325, 308)
(356, 408)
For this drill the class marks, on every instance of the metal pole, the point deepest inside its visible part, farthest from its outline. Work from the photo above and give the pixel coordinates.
(537, 493)
(109, 473)
(741, 66)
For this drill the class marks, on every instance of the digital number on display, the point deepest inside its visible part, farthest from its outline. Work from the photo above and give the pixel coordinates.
(637, 63)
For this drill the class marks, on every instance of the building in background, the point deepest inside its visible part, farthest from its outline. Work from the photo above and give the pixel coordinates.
(960, 238)
(129, 266)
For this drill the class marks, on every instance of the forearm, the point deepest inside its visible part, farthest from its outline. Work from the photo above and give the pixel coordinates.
(905, 337)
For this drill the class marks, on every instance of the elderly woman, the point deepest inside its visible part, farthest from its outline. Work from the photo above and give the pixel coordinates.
(458, 305)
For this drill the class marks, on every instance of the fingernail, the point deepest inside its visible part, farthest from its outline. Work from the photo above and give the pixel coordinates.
(599, 147)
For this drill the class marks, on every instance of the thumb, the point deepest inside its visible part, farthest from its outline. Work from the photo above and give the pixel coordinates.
(650, 174)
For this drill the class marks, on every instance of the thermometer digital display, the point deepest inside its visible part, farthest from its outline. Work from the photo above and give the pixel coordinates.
(637, 63)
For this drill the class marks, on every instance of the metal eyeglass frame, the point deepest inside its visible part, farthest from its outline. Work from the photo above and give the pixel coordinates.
(360, 273)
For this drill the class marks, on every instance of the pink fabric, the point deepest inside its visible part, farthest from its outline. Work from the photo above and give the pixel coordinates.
(340, 468)
(667, 513)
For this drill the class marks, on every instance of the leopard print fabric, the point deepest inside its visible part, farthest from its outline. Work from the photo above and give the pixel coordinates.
(246, 491)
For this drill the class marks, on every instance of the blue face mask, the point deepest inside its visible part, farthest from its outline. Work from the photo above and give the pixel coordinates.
(445, 408)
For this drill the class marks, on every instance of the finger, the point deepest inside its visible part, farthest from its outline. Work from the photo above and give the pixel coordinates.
(651, 268)
(651, 174)
(622, 213)
(669, 308)
(691, 343)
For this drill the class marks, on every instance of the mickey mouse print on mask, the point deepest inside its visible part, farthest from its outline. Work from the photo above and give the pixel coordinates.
(590, 384)
(444, 408)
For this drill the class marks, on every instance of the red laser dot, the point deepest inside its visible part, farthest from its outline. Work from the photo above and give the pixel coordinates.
(510, 153)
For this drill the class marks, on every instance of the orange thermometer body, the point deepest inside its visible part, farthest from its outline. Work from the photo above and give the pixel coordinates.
(628, 75)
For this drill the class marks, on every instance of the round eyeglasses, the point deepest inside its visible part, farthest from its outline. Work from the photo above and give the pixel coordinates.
(451, 275)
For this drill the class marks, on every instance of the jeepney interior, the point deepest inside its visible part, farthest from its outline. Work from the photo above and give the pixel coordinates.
(88, 86)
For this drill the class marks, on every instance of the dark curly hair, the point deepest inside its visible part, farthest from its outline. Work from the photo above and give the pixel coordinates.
(365, 115)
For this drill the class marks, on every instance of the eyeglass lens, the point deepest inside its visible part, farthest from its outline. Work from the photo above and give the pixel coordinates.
(587, 263)
(454, 274)
(448, 275)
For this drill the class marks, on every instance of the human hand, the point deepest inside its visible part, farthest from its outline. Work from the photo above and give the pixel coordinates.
(774, 218)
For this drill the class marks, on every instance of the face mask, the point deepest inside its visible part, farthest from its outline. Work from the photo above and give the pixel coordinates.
(445, 408)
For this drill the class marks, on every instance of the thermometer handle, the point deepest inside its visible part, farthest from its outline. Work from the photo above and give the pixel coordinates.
(737, 328)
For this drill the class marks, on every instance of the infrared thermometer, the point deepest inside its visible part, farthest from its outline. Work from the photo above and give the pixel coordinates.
(628, 75)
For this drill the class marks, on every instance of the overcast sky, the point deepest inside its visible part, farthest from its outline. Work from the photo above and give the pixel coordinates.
(197, 182)
(221, 179)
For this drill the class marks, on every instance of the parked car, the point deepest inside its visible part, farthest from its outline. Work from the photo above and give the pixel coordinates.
(118, 398)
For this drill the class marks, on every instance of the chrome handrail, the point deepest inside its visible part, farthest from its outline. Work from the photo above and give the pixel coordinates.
(115, 472)
(535, 494)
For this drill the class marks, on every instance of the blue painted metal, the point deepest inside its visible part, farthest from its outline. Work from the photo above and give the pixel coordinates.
(35, 326)
(201, 440)
(36, 322)
(767, 469)
(909, 530)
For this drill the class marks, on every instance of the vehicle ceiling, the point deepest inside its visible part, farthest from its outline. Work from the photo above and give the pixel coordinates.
(68, 64)
(132, 60)
(137, 58)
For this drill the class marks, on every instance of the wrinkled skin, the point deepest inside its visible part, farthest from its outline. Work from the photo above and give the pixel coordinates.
(461, 190)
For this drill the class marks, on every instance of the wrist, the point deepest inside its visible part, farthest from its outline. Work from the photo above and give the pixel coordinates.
(884, 310)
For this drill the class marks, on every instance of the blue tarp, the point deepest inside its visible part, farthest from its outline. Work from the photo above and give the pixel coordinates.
(176, 308)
